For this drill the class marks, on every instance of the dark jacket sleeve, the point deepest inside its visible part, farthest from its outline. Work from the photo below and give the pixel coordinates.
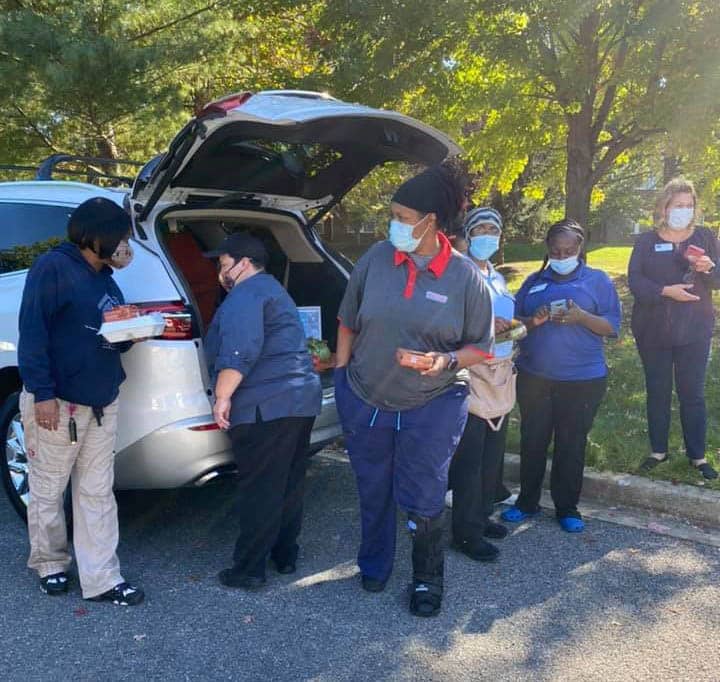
(40, 303)
(712, 250)
(643, 289)
(241, 331)
(121, 346)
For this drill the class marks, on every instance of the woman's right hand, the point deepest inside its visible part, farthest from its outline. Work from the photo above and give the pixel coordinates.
(680, 293)
(540, 317)
(47, 414)
(502, 325)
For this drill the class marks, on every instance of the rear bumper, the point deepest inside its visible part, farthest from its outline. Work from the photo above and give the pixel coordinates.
(176, 456)
(172, 457)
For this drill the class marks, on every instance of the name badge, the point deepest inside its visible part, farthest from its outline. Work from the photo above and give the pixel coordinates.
(537, 288)
(438, 298)
(663, 247)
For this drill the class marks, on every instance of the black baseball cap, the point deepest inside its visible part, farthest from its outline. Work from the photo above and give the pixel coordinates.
(240, 245)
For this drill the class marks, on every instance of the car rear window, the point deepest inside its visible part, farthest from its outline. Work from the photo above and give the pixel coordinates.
(29, 230)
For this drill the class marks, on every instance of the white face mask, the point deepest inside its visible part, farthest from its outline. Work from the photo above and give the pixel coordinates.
(123, 255)
(680, 218)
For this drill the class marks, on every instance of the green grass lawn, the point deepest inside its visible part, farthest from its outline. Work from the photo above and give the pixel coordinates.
(618, 441)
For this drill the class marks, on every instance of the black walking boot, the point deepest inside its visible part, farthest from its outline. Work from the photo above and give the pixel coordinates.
(428, 565)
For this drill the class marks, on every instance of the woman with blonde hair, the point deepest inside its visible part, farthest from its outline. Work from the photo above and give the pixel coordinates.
(672, 272)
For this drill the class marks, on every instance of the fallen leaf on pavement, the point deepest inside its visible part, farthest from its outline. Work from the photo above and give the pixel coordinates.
(658, 527)
(80, 611)
(248, 619)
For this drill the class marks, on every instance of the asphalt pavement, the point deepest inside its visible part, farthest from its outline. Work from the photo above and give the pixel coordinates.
(614, 603)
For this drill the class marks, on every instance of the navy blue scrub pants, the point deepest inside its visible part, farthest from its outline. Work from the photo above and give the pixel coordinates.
(688, 363)
(401, 459)
(561, 411)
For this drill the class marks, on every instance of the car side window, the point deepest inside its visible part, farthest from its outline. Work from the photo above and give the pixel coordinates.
(27, 231)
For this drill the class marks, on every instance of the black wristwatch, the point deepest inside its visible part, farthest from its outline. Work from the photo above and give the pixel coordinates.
(452, 364)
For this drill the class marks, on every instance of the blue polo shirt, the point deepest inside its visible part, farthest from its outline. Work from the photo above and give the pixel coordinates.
(257, 331)
(567, 352)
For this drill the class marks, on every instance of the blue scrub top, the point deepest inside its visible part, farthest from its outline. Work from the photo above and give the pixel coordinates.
(503, 306)
(564, 352)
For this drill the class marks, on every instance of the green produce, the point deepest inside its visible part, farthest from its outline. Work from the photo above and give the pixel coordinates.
(319, 349)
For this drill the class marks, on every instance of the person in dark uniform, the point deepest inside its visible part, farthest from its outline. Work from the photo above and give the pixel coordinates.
(673, 320)
(402, 425)
(69, 404)
(267, 396)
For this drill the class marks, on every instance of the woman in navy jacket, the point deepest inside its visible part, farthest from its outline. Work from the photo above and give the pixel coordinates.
(673, 320)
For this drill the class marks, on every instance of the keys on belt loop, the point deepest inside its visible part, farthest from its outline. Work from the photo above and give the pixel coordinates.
(98, 414)
(72, 426)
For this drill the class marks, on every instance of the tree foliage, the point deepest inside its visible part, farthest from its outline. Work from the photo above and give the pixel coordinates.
(558, 104)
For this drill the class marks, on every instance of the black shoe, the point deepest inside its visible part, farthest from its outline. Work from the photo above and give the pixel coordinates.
(285, 562)
(502, 494)
(425, 600)
(495, 531)
(123, 594)
(372, 585)
(706, 470)
(651, 462)
(478, 550)
(232, 578)
(54, 584)
(285, 569)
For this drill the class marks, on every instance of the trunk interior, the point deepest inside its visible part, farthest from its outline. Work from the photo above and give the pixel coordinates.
(309, 275)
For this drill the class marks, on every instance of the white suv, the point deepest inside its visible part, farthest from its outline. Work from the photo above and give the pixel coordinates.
(273, 164)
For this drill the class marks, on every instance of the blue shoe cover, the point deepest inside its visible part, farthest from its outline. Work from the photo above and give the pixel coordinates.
(571, 524)
(516, 515)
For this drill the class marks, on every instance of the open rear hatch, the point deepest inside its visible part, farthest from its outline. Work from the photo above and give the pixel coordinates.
(287, 150)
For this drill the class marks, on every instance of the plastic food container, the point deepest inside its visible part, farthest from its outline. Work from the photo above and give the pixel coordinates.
(142, 327)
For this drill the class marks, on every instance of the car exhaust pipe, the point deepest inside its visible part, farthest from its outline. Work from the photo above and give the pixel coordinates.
(213, 475)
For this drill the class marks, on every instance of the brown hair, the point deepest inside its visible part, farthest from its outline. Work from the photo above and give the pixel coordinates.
(675, 186)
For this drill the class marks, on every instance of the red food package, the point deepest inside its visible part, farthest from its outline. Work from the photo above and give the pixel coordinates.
(413, 359)
(121, 312)
(693, 251)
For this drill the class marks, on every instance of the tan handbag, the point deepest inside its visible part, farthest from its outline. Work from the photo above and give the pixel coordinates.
(492, 390)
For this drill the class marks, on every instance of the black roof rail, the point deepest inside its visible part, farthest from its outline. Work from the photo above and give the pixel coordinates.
(16, 167)
(46, 168)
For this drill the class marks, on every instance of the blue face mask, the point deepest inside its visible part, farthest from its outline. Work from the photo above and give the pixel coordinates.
(563, 266)
(484, 245)
(401, 235)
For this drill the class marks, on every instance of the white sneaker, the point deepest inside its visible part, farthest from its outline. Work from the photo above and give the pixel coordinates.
(448, 499)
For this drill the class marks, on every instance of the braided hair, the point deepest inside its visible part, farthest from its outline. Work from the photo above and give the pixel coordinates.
(439, 189)
(564, 226)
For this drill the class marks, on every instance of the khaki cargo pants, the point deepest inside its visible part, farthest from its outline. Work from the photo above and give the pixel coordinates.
(52, 460)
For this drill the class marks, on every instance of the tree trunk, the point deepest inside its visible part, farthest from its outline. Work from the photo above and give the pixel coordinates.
(671, 168)
(579, 174)
(107, 149)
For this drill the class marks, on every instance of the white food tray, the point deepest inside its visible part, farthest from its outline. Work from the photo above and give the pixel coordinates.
(143, 327)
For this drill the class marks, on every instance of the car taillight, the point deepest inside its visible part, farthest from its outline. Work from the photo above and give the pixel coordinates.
(204, 427)
(178, 319)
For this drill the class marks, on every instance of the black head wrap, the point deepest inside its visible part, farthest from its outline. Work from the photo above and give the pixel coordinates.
(436, 190)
